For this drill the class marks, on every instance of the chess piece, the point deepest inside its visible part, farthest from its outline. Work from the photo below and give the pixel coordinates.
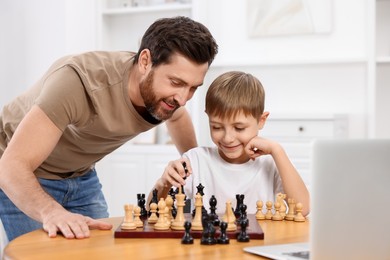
(200, 189)
(280, 197)
(208, 234)
(169, 204)
(153, 200)
(259, 213)
(223, 238)
(137, 217)
(128, 222)
(153, 214)
(161, 222)
(187, 238)
(277, 216)
(213, 208)
(298, 216)
(291, 209)
(243, 235)
(240, 202)
(242, 213)
(230, 217)
(178, 223)
(268, 214)
(141, 203)
(197, 221)
(172, 193)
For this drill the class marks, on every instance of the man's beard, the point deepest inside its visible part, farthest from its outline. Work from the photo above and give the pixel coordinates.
(152, 103)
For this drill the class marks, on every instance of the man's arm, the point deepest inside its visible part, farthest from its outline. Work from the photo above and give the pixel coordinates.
(182, 131)
(32, 142)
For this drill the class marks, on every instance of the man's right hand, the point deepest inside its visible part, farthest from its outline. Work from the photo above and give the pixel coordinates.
(71, 225)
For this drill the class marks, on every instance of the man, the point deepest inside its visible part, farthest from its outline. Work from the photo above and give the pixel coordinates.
(83, 108)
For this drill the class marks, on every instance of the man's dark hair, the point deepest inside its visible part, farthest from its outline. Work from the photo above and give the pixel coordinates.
(181, 35)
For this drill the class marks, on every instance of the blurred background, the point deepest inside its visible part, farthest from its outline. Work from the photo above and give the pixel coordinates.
(324, 64)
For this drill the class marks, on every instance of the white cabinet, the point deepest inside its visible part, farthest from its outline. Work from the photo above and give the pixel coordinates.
(296, 134)
(380, 77)
(130, 170)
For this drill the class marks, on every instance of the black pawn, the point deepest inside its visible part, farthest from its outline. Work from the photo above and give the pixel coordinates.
(208, 234)
(187, 238)
(223, 238)
(243, 236)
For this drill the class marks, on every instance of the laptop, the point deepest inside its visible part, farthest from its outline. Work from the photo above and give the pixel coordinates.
(350, 203)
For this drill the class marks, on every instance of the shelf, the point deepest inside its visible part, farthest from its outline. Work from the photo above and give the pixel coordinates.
(146, 9)
(289, 62)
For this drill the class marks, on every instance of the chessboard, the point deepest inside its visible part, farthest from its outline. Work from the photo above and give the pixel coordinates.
(147, 231)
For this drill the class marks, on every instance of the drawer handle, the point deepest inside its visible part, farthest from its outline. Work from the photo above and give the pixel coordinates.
(301, 129)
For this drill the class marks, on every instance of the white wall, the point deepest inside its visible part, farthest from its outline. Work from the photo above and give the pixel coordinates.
(35, 33)
(292, 68)
(302, 74)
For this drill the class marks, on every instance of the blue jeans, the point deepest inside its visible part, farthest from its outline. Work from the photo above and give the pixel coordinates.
(81, 195)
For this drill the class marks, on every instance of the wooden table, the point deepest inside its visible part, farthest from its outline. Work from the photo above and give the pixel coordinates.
(103, 245)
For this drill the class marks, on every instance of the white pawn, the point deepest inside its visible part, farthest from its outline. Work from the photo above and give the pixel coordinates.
(298, 216)
(161, 222)
(128, 222)
(268, 214)
(153, 216)
(277, 216)
(259, 213)
(137, 220)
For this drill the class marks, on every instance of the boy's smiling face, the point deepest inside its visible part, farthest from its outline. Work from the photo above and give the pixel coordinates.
(232, 134)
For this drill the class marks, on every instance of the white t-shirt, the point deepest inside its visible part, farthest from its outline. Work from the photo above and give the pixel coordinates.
(257, 180)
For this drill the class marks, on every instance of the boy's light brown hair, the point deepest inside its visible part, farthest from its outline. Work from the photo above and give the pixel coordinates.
(234, 92)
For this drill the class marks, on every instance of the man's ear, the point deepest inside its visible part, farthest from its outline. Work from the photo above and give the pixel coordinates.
(144, 60)
(262, 119)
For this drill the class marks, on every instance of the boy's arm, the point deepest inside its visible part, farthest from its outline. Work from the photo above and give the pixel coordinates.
(174, 175)
(292, 182)
(293, 185)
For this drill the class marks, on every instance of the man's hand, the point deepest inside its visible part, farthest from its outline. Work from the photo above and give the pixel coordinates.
(72, 225)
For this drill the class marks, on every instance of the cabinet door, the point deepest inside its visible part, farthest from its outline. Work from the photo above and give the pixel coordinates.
(122, 177)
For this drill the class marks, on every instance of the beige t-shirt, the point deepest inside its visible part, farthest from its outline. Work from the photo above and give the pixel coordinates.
(86, 97)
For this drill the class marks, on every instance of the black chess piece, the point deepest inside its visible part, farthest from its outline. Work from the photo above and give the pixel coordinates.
(141, 203)
(240, 201)
(200, 189)
(187, 238)
(243, 214)
(243, 235)
(208, 234)
(223, 238)
(213, 208)
(172, 193)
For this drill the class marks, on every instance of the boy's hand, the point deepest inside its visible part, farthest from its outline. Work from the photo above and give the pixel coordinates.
(176, 172)
(258, 146)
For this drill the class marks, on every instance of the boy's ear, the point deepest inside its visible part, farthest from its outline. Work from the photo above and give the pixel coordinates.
(262, 119)
(144, 60)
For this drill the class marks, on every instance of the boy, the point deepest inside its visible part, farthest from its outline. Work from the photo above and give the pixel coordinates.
(242, 162)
